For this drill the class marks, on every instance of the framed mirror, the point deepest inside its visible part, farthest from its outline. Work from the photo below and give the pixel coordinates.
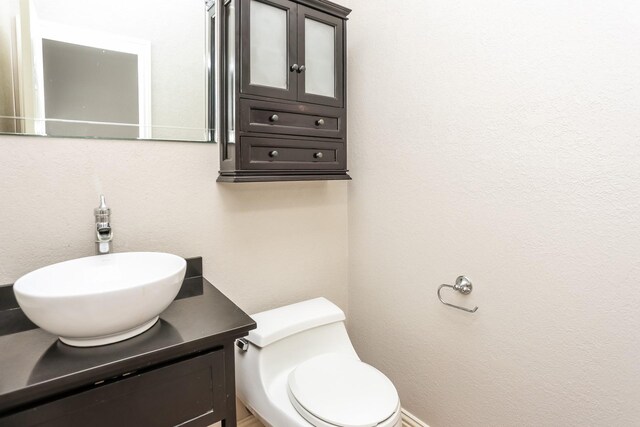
(131, 69)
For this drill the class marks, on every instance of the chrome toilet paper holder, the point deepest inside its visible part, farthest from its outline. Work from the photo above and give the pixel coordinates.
(464, 286)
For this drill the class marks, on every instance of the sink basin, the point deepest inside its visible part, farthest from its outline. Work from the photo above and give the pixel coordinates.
(101, 299)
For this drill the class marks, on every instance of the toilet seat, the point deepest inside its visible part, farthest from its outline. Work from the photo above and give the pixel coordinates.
(337, 390)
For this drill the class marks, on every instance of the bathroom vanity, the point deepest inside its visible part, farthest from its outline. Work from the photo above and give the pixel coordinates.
(179, 372)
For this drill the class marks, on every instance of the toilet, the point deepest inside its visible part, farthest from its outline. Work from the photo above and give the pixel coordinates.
(299, 369)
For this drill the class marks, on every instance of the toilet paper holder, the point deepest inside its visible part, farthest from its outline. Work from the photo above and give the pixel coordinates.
(464, 286)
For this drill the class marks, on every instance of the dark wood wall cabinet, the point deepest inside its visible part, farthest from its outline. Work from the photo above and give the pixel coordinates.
(278, 99)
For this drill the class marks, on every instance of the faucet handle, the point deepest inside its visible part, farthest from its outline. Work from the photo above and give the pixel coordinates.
(102, 209)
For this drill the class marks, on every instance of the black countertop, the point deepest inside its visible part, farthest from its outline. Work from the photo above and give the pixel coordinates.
(35, 366)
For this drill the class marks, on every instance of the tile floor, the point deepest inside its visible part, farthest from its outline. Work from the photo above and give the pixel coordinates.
(250, 421)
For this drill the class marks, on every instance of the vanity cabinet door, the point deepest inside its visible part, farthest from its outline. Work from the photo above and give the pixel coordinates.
(269, 48)
(187, 393)
(321, 52)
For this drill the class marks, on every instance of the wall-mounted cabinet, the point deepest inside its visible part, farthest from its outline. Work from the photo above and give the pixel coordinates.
(279, 95)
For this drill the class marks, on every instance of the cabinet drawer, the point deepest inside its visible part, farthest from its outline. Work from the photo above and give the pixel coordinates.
(188, 393)
(292, 119)
(291, 154)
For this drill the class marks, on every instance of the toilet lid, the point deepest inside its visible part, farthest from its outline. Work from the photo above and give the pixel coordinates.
(343, 391)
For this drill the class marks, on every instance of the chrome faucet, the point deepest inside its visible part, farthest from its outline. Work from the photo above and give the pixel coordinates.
(104, 234)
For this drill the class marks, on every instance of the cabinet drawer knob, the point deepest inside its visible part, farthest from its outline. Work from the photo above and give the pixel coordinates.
(318, 155)
(301, 68)
(295, 67)
(273, 153)
(273, 118)
(320, 122)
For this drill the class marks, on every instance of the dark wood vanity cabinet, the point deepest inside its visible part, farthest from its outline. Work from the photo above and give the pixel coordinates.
(279, 91)
(187, 393)
(181, 372)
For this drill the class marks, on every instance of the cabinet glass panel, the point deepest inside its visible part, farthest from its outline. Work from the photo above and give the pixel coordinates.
(268, 45)
(319, 50)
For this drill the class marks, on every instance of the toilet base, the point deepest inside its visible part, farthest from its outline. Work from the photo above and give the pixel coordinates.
(278, 411)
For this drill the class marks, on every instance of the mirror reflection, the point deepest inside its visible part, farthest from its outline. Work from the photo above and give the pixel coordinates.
(133, 69)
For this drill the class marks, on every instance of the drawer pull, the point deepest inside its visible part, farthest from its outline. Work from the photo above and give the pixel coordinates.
(274, 118)
(318, 155)
(320, 122)
(273, 153)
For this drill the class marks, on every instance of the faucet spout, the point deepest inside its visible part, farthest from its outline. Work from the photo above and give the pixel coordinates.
(104, 233)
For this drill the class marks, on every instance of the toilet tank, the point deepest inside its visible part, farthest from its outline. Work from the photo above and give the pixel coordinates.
(283, 322)
(286, 337)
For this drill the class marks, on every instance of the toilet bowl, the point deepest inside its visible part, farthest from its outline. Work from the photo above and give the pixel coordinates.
(299, 369)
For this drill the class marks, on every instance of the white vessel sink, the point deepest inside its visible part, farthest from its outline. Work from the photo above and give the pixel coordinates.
(101, 299)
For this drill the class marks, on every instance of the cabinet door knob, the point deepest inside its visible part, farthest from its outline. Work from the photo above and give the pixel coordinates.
(320, 122)
(273, 118)
(301, 68)
(318, 155)
(295, 67)
(273, 153)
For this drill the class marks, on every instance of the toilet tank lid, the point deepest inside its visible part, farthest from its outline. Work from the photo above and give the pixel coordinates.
(279, 323)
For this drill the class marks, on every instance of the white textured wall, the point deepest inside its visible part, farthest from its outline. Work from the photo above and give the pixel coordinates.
(263, 245)
(500, 139)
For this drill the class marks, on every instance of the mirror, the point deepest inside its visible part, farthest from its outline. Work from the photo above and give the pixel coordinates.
(133, 69)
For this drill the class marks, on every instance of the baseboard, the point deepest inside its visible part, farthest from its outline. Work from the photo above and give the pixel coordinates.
(410, 420)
